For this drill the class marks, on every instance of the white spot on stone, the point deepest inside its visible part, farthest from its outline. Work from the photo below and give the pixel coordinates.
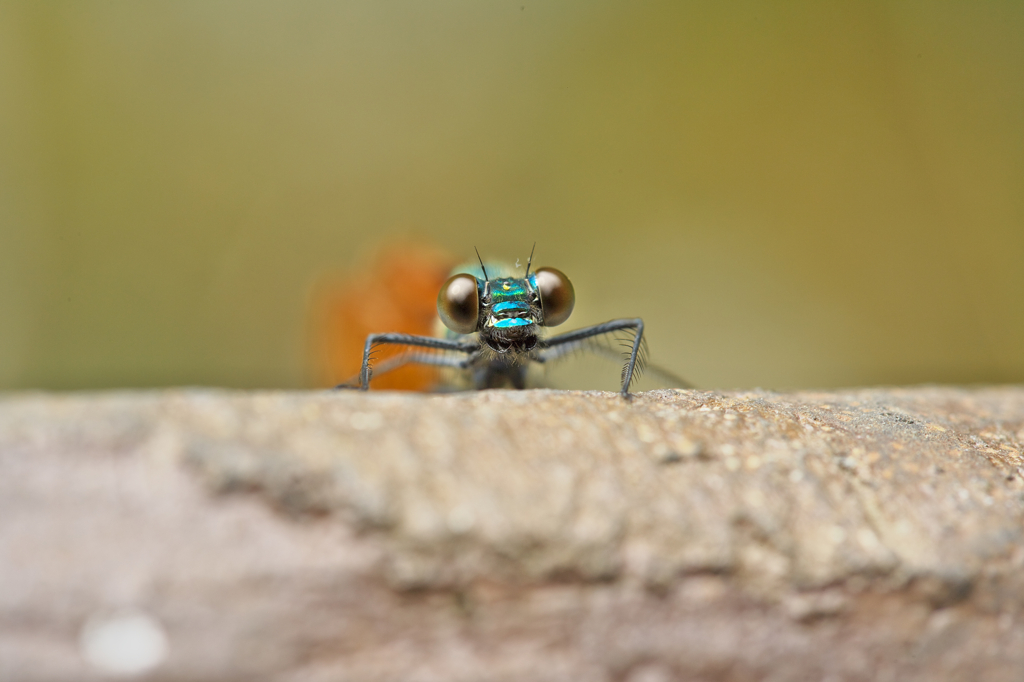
(125, 643)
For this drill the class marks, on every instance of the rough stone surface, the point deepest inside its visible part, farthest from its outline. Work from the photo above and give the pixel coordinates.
(537, 535)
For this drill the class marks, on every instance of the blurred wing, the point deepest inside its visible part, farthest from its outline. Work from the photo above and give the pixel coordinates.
(395, 292)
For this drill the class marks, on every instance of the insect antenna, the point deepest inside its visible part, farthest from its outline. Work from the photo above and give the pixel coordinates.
(530, 260)
(486, 279)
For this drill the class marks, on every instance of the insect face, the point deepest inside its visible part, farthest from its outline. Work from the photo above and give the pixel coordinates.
(506, 311)
(511, 309)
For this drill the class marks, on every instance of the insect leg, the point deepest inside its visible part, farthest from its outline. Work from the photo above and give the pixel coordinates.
(663, 375)
(556, 346)
(412, 358)
(373, 340)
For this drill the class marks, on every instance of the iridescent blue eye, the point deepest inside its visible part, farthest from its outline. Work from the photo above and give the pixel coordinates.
(557, 297)
(458, 304)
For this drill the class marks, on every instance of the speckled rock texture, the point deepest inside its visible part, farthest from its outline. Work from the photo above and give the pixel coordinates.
(536, 535)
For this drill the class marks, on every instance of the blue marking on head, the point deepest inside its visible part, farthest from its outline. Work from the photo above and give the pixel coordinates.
(511, 305)
(506, 289)
(512, 322)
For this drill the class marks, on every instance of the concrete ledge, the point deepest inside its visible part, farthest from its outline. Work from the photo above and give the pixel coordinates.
(536, 535)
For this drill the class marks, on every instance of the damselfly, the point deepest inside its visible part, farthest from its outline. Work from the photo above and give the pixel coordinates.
(493, 324)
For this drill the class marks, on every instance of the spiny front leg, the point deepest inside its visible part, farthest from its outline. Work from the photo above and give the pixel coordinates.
(557, 346)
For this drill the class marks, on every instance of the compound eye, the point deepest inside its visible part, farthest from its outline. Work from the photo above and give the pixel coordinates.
(557, 297)
(458, 304)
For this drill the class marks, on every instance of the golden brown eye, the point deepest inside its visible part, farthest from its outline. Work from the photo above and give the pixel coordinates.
(458, 304)
(556, 296)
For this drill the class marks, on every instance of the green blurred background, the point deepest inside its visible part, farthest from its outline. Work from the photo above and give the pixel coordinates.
(791, 194)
